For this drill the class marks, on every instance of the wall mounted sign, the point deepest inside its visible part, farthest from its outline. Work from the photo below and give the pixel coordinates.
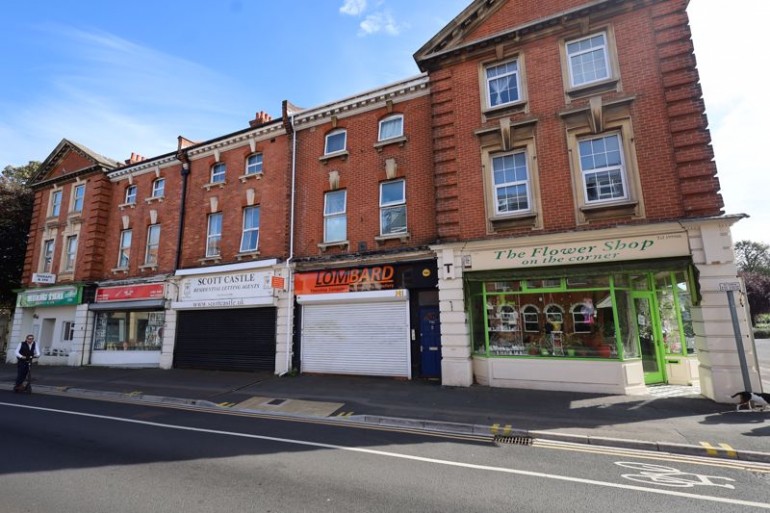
(46, 278)
(345, 280)
(584, 252)
(60, 296)
(130, 292)
(230, 289)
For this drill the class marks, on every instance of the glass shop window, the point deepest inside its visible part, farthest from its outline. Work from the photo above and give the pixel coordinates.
(128, 331)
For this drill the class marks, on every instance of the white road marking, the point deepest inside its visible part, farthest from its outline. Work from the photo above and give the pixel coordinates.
(388, 454)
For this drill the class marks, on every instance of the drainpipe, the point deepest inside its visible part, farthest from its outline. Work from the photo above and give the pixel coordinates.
(290, 318)
(185, 172)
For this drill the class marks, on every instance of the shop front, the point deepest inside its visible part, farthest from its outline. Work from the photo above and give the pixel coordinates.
(380, 320)
(128, 325)
(225, 317)
(609, 311)
(48, 313)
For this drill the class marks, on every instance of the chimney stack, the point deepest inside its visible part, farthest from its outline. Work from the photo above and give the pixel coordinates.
(261, 118)
(135, 157)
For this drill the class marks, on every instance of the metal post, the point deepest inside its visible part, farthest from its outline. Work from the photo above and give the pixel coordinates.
(739, 342)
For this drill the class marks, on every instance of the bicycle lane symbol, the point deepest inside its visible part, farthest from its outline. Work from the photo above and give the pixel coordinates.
(667, 476)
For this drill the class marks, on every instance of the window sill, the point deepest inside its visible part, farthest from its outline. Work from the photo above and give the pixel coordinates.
(527, 220)
(243, 178)
(65, 276)
(52, 221)
(75, 217)
(212, 185)
(323, 246)
(593, 88)
(609, 210)
(152, 199)
(379, 145)
(148, 267)
(247, 254)
(382, 239)
(210, 260)
(505, 110)
(337, 154)
(119, 270)
(124, 206)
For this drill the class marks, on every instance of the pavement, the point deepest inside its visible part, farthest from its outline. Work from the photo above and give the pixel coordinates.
(671, 419)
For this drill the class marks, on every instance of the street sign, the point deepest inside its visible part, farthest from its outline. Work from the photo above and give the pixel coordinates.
(43, 278)
(730, 285)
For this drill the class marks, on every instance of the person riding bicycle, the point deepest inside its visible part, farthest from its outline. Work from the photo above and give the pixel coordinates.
(26, 351)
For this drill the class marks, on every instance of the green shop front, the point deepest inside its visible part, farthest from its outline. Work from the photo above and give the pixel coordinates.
(608, 314)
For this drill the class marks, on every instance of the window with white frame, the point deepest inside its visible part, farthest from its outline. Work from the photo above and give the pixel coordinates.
(70, 252)
(130, 194)
(510, 178)
(336, 141)
(78, 197)
(48, 247)
(254, 164)
(588, 59)
(159, 188)
(218, 173)
(601, 165)
(502, 83)
(531, 317)
(391, 127)
(124, 251)
(250, 235)
(56, 203)
(393, 207)
(214, 235)
(335, 218)
(153, 245)
(68, 331)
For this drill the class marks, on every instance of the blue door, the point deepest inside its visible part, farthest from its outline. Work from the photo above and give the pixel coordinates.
(430, 342)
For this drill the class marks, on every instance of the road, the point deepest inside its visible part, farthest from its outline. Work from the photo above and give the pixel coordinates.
(763, 356)
(69, 455)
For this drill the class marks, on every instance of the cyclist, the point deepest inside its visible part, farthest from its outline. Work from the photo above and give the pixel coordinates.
(26, 351)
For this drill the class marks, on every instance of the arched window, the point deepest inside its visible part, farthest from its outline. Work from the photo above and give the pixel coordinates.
(554, 315)
(582, 317)
(531, 316)
(391, 127)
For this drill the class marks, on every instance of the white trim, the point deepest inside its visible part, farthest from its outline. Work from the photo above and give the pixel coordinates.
(227, 268)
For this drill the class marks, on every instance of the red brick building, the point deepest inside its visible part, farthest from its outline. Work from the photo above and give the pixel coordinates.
(539, 209)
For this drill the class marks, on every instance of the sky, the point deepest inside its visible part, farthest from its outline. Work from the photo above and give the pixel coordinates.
(123, 77)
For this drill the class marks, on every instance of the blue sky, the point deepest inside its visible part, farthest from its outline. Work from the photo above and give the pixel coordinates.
(122, 77)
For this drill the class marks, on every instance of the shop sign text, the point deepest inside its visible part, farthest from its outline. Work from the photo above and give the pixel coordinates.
(130, 292)
(53, 297)
(236, 285)
(345, 280)
(609, 250)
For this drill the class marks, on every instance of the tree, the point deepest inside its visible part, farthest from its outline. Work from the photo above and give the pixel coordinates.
(16, 201)
(753, 257)
(758, 292)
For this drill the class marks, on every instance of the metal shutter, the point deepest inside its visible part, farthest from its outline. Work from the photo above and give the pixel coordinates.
(228, 339)
(370, 339)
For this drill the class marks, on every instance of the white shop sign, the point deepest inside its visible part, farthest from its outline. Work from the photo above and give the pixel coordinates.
(223, 287)
(597, 251)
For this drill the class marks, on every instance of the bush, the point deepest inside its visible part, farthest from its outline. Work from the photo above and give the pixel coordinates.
(762, 332)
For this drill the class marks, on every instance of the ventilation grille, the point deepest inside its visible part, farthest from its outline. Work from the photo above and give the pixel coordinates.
(513, 440)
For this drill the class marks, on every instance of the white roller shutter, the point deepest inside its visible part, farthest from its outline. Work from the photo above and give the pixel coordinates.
(357, 333)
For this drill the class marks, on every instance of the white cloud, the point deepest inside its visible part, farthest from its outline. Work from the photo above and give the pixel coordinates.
(379, 22)
(353, 7)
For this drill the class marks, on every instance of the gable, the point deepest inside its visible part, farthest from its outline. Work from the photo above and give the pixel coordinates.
(70, 159)
(490, 23)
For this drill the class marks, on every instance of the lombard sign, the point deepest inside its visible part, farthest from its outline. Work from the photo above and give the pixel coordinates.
(345, 280)
(238, 288)
(585, 252)
(63, 296)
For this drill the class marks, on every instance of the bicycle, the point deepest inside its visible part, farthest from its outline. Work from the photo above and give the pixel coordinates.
(667, 476)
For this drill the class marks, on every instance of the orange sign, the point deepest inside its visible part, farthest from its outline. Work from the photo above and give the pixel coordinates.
(277, 282)
(345, 280)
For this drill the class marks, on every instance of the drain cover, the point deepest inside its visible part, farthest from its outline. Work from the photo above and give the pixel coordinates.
(276, 402)
(514, 440)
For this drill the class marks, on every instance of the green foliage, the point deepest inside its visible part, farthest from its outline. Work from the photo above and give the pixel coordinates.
(752, 257)
(16, 201)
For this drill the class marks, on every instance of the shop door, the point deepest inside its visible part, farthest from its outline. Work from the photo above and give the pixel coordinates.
(650, 337)
(430, 342)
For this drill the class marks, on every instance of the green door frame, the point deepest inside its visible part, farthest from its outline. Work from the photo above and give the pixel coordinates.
(650, 345)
